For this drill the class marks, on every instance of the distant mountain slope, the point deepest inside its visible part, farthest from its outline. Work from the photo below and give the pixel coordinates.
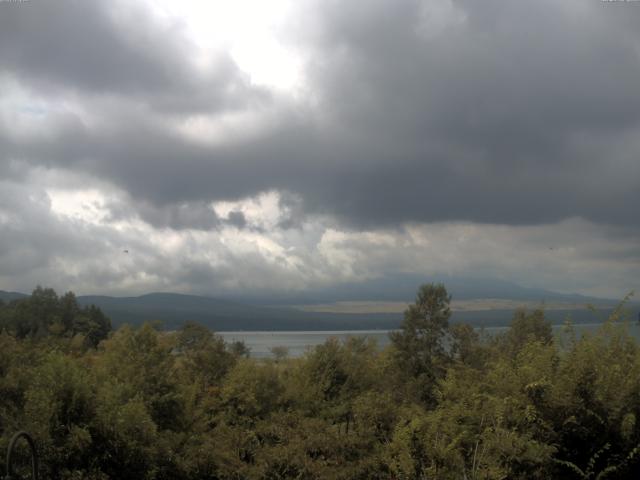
(403, 287)
(174, 309)
(8, 296)
(284, 312)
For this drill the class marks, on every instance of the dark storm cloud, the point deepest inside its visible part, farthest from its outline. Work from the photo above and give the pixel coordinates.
(113, 48)
(488, 119)
(237, 219)
(194, 215)
(501, 112)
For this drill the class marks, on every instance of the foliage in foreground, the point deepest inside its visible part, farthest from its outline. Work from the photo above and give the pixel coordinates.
(441, 402)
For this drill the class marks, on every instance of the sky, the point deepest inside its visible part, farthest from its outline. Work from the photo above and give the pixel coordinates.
(285, 146)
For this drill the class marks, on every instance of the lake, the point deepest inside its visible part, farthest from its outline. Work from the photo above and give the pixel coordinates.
(299, 342)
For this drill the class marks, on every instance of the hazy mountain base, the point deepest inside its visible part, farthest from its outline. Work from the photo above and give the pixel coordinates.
(255, 318)
(151, 405)
(172, 310)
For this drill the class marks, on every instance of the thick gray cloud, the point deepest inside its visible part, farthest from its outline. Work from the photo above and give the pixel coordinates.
(412, 112)
(518, 112)
(514, 112)
(114, 49)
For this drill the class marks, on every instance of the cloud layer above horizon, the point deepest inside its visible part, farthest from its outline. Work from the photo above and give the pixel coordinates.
(286, 146)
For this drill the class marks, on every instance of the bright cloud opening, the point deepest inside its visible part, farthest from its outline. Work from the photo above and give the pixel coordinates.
(247, 29)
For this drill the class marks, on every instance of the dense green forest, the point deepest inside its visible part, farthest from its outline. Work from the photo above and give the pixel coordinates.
(441, 402)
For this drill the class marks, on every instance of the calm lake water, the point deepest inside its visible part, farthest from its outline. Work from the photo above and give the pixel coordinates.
(298, 343)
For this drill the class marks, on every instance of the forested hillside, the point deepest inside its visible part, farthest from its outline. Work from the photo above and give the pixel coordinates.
(441, 402)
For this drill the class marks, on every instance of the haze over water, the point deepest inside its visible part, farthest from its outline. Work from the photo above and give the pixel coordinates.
(300, 342)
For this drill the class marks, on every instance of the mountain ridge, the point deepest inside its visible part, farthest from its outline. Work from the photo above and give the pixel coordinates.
(228, 314)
